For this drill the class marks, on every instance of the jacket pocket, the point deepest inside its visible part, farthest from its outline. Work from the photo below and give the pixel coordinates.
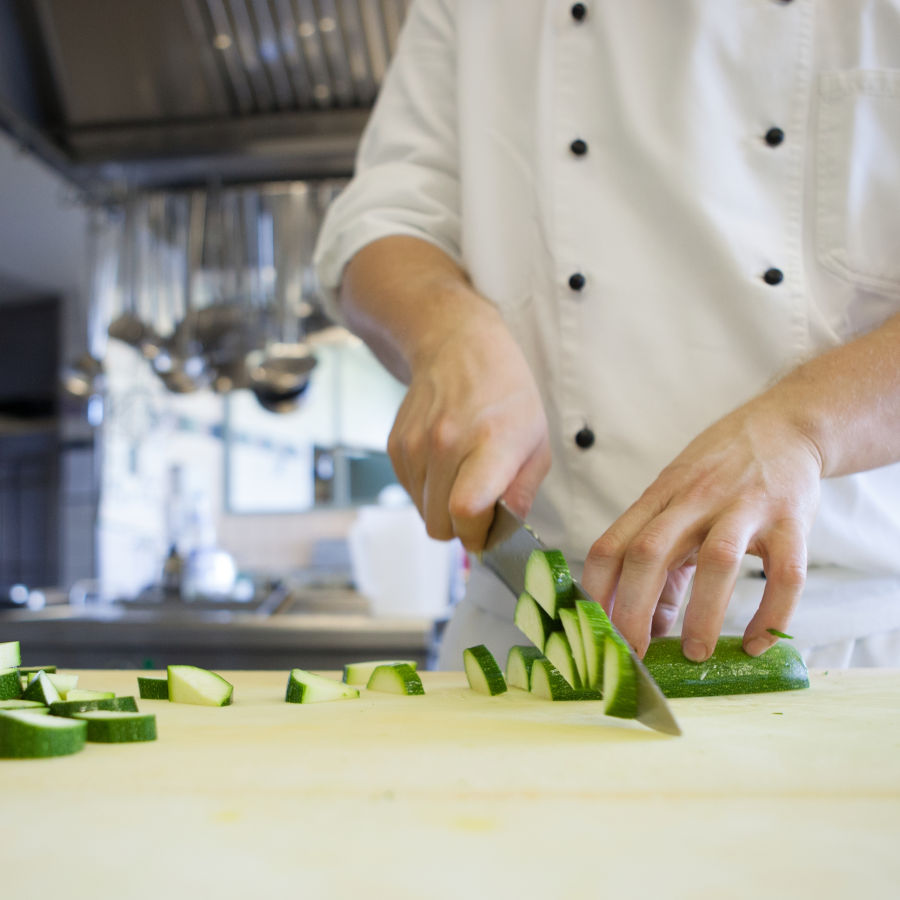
(858, 177)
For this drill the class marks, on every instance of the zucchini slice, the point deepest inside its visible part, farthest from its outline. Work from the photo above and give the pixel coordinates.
(559, 653)
(548, 580)
(29, 735)
(42, 689)
(619, 679)
(519, 663)
(548, 682)
(191, 684)
(305, 687)
(397, 678)
(728, 671)
(19, 703)
(533, 621)
(10, 684)
(361, 672)
(572, 628)
(153, 687)
(10, 654)
(108, 726)
(482, 671)
(81, 694)
(595, 626)
(70, 707)
(28, 671)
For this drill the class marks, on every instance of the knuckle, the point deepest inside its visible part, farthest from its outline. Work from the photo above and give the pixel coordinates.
(645, 549)
(789, 573)
(720, 553)
(607, 547)
(444, 435)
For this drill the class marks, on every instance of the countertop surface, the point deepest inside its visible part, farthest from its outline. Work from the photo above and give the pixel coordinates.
(455, 794)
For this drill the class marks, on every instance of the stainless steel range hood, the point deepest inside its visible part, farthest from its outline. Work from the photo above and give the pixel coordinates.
(174, 92)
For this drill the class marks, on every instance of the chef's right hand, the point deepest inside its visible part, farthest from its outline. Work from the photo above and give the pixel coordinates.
(470, 430)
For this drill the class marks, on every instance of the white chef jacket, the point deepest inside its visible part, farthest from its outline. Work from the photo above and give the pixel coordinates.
(671, 203)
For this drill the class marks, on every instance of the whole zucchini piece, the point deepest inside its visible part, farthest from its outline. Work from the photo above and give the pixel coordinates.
(728, 671)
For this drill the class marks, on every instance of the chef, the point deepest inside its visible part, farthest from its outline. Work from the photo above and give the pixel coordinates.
(638, 264)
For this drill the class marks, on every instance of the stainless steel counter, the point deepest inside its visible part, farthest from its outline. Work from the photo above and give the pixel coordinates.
(117, 637)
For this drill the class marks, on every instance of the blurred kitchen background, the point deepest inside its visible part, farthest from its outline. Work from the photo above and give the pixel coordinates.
(192, 463)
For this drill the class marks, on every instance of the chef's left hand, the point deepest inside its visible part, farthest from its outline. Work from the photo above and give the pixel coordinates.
(748, 484)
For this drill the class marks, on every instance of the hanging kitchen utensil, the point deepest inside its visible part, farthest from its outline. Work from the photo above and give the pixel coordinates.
(128, 326)
(279, 374)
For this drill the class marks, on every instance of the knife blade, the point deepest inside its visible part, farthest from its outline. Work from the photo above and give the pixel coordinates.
(509, 543)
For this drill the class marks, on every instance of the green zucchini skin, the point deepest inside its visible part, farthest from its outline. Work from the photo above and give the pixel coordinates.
(728, 671)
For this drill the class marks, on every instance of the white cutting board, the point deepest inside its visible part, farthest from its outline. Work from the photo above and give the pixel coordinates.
(459, 795)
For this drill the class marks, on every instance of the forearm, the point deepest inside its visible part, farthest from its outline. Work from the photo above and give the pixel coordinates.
(404, 297)
(847, 402)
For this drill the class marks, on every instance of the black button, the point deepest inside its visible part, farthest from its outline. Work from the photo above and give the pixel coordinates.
(577, 281)
(773, 276)
(578, 147)
(774, 136)
(585, 438)
(579, 11)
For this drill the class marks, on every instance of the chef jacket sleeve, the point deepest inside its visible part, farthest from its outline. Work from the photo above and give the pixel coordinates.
(406, 179)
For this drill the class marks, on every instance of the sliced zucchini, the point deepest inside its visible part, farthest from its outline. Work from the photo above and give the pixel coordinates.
(572, 628)
(482, 671)
(361, 672)
(10, 654)
(10, 685)
(619, 679)
(532, 621)
(29, 735)
(547, 682)
(191, 684)
(595, 626)
(559, 653)
(728, 671)
(107, 726)
(81, 694)
(70, 707)
(305, 687)
(519, 662)
(28, 671)
(19, 703)
(548, 580)
(42, 689)
(153, 687)
(397, 678)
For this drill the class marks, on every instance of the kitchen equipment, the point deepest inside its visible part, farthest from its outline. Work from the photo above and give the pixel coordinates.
(454, 794)
(509, 544)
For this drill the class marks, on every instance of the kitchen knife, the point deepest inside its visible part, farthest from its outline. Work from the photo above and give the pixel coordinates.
(510, 542)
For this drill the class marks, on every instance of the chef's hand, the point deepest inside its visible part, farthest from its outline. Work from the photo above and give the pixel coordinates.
(748, 484)
(471, 428)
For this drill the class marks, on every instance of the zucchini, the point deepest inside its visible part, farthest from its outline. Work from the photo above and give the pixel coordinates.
(304, 687)
(28, 671)
(70, 707)
(559, 653)
(19, 703)
(191, 684)
(10, 685)
(482, 671)
(153, 687)
(108, 726)
(361, 672)
(533, 621)
(396, 678)
(42, 689)
(595, 626)
(548, 580)
(619, 679)
(10, 654)
(519, 662)
(548, 682)
(728, 671)
(81, 694)
(29, 735)
(572, 628)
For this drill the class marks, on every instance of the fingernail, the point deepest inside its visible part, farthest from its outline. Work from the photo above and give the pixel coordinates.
(756, 646)
(694, 649)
